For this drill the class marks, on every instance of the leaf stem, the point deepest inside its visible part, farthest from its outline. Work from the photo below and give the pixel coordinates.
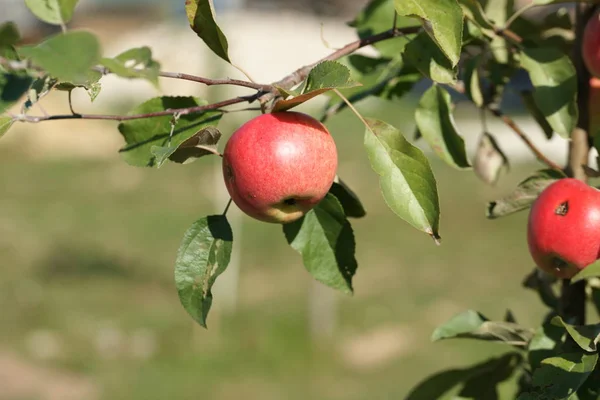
(351, 106)
(518, 13)
(227, 206)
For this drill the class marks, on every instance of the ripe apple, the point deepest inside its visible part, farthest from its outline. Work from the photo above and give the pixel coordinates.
(591, 44)
(280, 165)
(563, 231)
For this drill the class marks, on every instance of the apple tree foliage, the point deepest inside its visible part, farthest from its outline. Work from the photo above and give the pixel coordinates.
(462, 50)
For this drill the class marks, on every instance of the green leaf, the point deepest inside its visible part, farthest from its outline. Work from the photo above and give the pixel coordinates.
(348, 199)
(203, 255)
(472, 325)
(325, 240)
(375, 18)
(560, 377)
(524, 195)
(541, 282)
(325, 76)
(536, 113)
(473, 81)
(586, 336)
(425, 56)
(595, 297)
(5, 123)
(38, 89)
(445, 19)
(434, 119)
(67, 57)
(406, 179)
(591, 271)
(200, 14)
(499, 11)
(56, 12)
(490, 373)
(9, 34)
(473, 11)
(12, 88)
(134, 63)
(91, 84)
(490, 161)
(545, 343)
(141, 135)
(555, 82)
(202, 143)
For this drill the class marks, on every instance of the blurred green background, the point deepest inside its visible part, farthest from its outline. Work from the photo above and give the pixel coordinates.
(89, 309)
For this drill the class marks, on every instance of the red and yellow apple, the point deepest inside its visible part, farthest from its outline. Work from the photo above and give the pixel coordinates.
(591, 44)
(278, 166)
(563, 231)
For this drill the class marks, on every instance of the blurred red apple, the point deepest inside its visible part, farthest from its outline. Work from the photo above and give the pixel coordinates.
(563, 231)
(278, 166)
(591, 44)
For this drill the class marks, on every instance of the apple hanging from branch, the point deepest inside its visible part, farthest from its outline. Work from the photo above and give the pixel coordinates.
(278, 166)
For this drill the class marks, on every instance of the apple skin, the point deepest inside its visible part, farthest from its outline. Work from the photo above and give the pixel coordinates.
(591, 44)
(563, 231)
(278, 166)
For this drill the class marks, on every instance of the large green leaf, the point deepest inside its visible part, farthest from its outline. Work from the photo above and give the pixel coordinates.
(67, 57)
(445, 20)
(481, 378)
(425, 56)
(376, 17)
(325, 76)
(200, 14)
(436, 124)
(591, 271)
(555, 81)
(536, 113)
(586, 336)
(141, 135)
(406, 179)
(325, 240)
(203, 255)
(524, 195)
(560, 377)
(472, 325)
(134, 63)
(57, 12)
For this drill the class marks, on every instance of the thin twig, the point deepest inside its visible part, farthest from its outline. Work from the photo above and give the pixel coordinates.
(518, 13)
(227, 206)
(71, 103)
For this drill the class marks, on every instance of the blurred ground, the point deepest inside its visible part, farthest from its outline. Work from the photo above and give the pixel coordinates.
(87, 245)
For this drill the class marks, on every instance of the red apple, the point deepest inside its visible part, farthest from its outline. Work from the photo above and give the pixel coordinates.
(278, 166)
(591, 44)
(563, 231)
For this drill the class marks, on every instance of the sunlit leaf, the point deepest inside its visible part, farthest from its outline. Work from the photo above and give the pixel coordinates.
(201, 16)
(57, 12)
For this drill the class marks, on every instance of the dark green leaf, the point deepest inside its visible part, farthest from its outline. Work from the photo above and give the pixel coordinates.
(473, 10)
(591, 271)
(406, 179)
(436, 124)
(490, 161)
(536, 113)
(586, 336)
(524, 195)
(200, 144)
(541, 282)
(348, 199)
(56, 12)
(325, 240)
(38, 89)
(165, 131)
(202, 21)
(203, 255)
(545, 343)
(555, 81)
(67, 57)
(323, 77)
(445, 22)
(134, 63)
(376, 18)
(425, 55)
(5, 123)
(9, 34)
(560, 377)
(472, 325)
(12, 88)
(490, 372)
(590, 390)
(596, 298)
